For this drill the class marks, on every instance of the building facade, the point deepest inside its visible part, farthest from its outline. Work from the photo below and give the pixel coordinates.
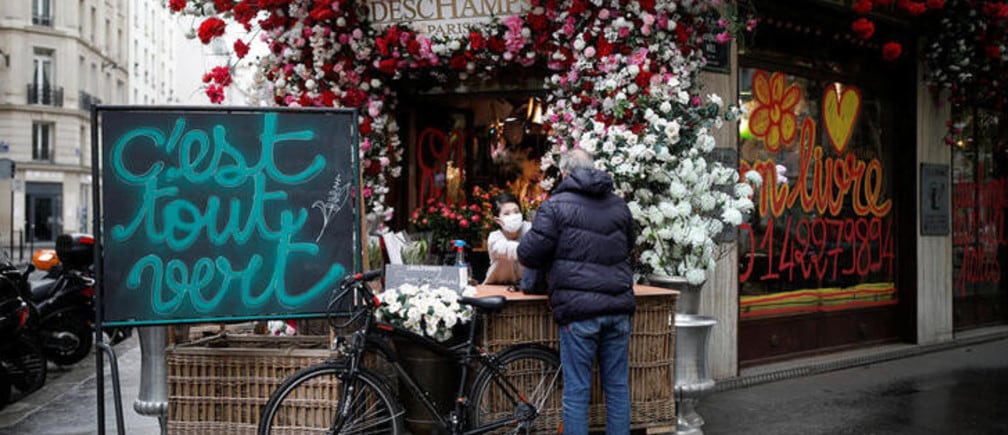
(59, 59)
(152, 53)
(869, 229)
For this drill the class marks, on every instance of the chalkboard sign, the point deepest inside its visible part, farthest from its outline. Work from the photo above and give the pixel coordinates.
(225, 214)
(452, 277)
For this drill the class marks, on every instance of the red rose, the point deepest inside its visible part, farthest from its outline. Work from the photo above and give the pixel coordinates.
(365, 125)
(354, 97)
(244, 12)
(322, 12)
(464, 223)
(911, 7)
(536, 21)
(862, 6)
(176, 5)
(459, 61)
(577, 7)
(643, 79)
(863, 28)
(993, 51)
(221, 75)
(211, 28)
(413, 46)
(603, 47)
(496, 44)
(647, 5)
(387, 66)
(215, 93)
(935, 4)
(891, 51)
(328, 98)
(476, 218)
(223, 5)
(382, 45)
(476, 41)
(241, 48)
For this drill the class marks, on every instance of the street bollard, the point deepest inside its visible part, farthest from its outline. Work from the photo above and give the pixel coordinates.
(153, 397)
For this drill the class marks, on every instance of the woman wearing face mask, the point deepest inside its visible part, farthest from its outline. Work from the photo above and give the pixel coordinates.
(502, 244)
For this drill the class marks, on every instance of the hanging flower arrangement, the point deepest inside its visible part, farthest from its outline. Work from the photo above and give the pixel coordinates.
(623, 85)
(965, 48)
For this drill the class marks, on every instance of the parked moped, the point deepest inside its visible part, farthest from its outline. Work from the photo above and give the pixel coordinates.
(22, 363)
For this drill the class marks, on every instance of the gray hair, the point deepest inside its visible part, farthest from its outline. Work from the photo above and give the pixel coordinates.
(576, 159)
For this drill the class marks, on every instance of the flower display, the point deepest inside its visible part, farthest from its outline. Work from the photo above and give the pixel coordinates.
(425, 311)
(622, 84)
(451, 221)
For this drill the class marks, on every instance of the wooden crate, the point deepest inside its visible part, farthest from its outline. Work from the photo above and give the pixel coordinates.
(220, 384)
(652, 351)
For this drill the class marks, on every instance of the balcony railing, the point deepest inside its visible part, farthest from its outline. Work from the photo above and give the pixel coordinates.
(42, 20)
(48, 95)
(87, 100)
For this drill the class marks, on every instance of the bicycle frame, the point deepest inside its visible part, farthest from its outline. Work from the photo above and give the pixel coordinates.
(372, 337)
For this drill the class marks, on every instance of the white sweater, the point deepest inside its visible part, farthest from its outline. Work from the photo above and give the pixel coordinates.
(504, 266)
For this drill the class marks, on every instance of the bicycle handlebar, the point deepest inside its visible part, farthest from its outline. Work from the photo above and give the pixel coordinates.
(363, 276)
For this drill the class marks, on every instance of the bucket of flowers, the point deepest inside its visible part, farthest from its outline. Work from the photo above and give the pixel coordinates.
(420, 309)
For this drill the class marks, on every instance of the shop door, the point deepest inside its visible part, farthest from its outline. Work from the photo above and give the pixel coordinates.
(43, 206)
(979, 242)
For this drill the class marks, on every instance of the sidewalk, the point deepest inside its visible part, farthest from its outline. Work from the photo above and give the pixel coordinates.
(958, 390)
(67, 404)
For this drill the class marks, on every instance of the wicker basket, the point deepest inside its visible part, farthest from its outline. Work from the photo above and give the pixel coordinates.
(220, 384)
(652, 351)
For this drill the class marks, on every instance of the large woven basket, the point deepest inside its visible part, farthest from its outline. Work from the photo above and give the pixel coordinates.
(652, 351)
(219, 384)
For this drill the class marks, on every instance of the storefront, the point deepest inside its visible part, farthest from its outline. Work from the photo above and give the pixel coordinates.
(826, 260)
(979, 168)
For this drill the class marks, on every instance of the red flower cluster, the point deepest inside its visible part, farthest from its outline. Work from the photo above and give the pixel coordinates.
(865, 28)
(176, 5)
(241, 48)
(211, 28)
(220, 75)
(451, 222)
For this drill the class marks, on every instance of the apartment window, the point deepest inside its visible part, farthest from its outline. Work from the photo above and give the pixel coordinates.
(42, 12)
(41, 90)
(94, 23)
(42, 140)
(107, 47)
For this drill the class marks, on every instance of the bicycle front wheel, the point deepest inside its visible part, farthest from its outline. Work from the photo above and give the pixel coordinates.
(308, 402)
(523, 395)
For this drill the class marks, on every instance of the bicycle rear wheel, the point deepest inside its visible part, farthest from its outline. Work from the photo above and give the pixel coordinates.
(534, 374)
(308, 401)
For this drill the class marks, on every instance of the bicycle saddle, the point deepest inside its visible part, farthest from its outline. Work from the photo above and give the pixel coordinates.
(489, 303)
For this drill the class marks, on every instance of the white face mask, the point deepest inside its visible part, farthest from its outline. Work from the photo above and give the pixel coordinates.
(512, 223)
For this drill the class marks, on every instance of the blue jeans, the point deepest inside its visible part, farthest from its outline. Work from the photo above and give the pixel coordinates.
(608, 337)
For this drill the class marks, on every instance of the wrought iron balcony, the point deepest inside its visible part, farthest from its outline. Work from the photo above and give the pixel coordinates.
(48, 95)
(42, 20)
(87, 100)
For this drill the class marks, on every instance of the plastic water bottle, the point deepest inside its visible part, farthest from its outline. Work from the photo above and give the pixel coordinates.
(461, 264)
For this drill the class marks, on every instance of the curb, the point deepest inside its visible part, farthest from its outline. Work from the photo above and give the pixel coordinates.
(746, 381)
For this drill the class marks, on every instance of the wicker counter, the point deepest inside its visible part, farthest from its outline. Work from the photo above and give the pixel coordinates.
(219, 385)
(526, 319)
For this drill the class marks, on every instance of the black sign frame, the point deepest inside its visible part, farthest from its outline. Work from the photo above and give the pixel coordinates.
(346, 125)
(934, 200)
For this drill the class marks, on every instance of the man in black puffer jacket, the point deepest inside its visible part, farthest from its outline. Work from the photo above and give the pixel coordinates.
(583, 236)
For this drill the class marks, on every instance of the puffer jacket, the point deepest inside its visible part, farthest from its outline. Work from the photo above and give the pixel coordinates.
(583, 236)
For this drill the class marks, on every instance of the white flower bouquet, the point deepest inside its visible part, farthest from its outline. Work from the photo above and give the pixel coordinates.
(425, 311)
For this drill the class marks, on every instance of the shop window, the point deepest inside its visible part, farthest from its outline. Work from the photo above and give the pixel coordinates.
(822, 238)
(979, 180)
(42, 140)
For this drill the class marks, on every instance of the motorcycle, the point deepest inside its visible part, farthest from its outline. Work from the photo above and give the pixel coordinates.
(22, 363)
(65, 299)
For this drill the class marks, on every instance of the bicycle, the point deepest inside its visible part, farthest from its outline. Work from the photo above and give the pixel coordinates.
(516, 390)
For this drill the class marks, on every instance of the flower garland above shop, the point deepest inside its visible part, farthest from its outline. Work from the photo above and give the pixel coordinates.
(623, 85)
(966, 48)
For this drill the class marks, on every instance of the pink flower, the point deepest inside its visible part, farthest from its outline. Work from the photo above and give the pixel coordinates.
(365, 145)
(723, 37)
(344, 38)
(589, 52)
(568, 27)
(624, 32)
(638, 57)
(603, 14)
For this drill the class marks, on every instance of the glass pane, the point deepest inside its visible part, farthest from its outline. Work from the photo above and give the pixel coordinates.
(821, 238)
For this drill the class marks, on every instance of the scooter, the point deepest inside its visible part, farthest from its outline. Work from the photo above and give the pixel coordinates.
(65, 304)
(22, 363)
